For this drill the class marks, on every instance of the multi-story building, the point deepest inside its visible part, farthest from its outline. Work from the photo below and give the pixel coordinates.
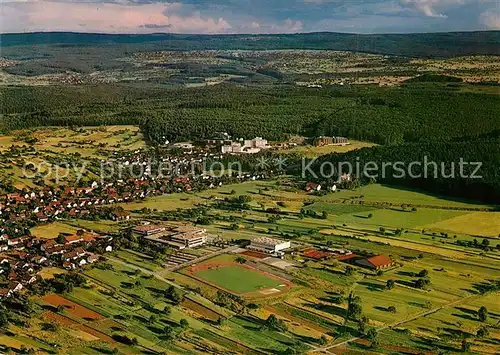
(268, 245)
(148, 229)
(250, 146)
(179, 237)
(188, 236)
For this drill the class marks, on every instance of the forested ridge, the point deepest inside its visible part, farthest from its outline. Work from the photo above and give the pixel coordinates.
(438, 121)
(380, 115)
(448, 181)
(413, 44)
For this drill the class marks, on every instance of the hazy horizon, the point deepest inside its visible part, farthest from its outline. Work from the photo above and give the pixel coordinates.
(248, 16)
(246, 34)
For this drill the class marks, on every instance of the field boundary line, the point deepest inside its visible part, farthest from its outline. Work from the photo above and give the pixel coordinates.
(389, 326)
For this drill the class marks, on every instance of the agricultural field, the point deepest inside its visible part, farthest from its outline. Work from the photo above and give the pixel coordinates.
(375, 265)
(310, 151)
(30, 158)
(86, 141)
(126, 295)
(304, 67)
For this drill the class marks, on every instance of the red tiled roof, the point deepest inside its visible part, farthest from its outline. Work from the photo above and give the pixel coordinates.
(347, 257)
(72, 238)
(379, 260)
(88, 238)
(316, 254)
(49, 243)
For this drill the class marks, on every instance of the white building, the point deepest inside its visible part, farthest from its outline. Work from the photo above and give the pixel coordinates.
(180, 237)
(184, 145)
(148, 229)
(233, 148)
(250, 146)
(257, 142)
(268, 245)
(188, 236)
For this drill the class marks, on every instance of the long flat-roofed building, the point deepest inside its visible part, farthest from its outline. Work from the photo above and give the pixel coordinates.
(268, 245)
(148, 229)
(189, 240)
(190, 236)
(179, 237)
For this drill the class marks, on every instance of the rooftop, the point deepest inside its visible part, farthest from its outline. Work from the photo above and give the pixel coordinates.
(187, 236)
(148, 228)
(188, 229)
(379, 260)
(268, 241)
(72, 238)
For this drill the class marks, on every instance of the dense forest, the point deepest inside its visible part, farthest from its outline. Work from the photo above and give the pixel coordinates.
(413, 113)
(445, 177)
(440, 121)
(413, 45)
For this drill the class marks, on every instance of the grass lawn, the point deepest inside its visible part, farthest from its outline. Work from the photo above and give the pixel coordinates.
(52, 230)
(382, 193)
(102, 226)
(394, 218)
(168, 202)
(137, 260)
(123, 278)
(476, 223)
(339, 208)
(312, 151)
(237, 279)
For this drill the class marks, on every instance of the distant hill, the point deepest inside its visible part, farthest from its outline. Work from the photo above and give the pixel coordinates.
(413, 45)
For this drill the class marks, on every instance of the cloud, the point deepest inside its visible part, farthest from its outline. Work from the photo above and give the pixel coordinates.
(256, 26)
(125, 16)
(491, 19)
(105, 17)
(427, 7)
(247, 16)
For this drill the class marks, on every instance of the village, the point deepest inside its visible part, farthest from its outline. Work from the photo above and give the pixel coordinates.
(158, 217)
(23, 258)
(240, 236)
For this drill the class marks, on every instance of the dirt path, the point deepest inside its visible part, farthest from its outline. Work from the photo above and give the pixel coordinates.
(329, 348)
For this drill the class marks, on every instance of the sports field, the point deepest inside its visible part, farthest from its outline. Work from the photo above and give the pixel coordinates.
(238, 279)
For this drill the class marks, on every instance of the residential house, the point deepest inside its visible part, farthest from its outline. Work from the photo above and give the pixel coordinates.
(73, 239)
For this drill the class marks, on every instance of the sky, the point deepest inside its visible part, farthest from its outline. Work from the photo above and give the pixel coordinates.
(249, 16)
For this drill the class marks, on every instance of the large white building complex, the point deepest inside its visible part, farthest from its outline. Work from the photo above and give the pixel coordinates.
(187, 237)
(148, 229)
(268, 245)
(249, 146)
(179, 237)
